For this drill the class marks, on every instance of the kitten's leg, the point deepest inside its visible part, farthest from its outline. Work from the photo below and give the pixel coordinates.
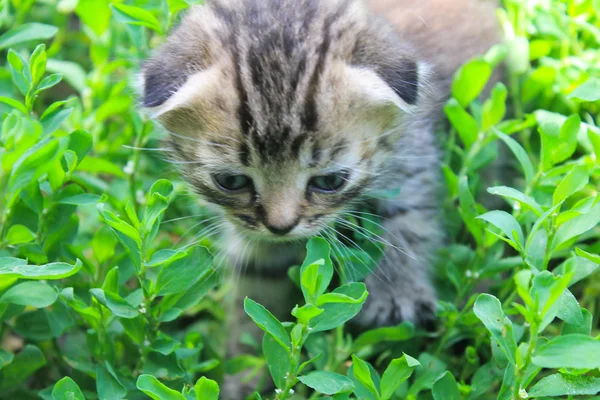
(400, 289)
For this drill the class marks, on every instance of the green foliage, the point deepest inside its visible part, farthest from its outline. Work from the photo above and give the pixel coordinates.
(108, 277)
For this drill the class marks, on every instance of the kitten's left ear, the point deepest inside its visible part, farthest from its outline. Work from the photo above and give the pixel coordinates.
(386, 86)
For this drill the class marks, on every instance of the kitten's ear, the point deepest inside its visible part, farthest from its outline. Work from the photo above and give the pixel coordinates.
(162, 95)
(403, 78)
(158, 84)
(386, 86)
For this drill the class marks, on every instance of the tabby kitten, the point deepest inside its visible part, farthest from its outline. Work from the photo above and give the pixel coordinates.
(286, 114)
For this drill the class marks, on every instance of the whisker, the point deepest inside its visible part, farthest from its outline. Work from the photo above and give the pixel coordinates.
(147, 148)
(188, 217)
(382, 227)
(366, 253)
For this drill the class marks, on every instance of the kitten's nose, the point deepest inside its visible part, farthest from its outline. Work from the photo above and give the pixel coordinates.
(281, 230)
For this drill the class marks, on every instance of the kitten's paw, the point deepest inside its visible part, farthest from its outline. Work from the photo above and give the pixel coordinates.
(386, 308)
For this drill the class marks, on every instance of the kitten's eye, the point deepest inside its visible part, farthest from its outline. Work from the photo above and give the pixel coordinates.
(232, 183)
(328, 183)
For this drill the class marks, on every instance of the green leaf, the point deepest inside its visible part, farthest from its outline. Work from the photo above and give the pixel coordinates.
(538, 225)
(595, 258)
(5, 358)
(579, 267)
(111, 281)
(463, 122)
(19, 70)
(328, 298)
(119, 225)
(137, 16)
(519, 153)
(278, 360)
(165, 256)
(446, 388)
(327, 382)
(469, 81)
(335, 314)
(16, 104)
(489, 311)
(206, 389)
(539, 80)
(23, 365)
(568, 309)
(317, 250)
(73, 73)
(468, 209)
(127, 234)
(569, 351)
(559, 136)
(564, 385)
(402, 332)
(135, 328)
(399, 370)
(27, 33)
(507, 224)
(494, 108)
(115, 303)
(37, 63)
(575, 180)
(576, 227)
(183, 273)
(165, 345)
(35, 294)
(584, 327)
(67, 389)
(594, 138)
(17, 268)
(307, 312)
(267, 322)
(18, 234)
(80, 199)
(177, 5)
(158, 201)
(362, 373)
(49, 82)
(95, 14)
(36, 161)
(108, 385)
(156, 390)
(524, 200)
(587, 91)
(310, 279)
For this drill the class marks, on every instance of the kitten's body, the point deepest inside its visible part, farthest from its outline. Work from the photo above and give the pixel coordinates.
(285, 90)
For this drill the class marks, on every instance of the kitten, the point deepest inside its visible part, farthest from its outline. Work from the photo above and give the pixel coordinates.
(286, 114)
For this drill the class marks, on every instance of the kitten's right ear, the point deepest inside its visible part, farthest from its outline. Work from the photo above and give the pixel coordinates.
(164, 93)
(159, 84)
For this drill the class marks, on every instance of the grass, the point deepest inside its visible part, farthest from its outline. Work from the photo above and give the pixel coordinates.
(107, 287)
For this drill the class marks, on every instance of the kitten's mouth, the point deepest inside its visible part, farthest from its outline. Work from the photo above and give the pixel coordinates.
(266, 235)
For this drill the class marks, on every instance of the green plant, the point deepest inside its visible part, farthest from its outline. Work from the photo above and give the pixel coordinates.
(109, 278)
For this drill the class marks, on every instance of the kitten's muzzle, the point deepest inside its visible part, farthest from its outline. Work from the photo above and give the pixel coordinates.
(281, 230)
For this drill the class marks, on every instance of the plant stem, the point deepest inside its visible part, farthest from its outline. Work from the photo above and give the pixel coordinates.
(515, 93)
(292, 376)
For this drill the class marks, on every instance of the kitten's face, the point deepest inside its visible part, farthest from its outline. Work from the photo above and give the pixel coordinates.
(274, 126)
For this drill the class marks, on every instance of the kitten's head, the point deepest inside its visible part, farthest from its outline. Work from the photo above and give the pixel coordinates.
(283, 112)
